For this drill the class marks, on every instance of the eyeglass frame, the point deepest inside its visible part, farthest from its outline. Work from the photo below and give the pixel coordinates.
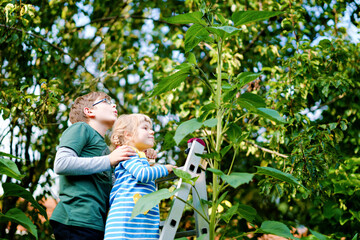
(102, 100)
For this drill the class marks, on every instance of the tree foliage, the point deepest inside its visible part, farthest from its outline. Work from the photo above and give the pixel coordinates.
(53, 51)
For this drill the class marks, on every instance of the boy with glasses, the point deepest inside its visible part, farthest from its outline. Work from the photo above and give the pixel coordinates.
(84, 163)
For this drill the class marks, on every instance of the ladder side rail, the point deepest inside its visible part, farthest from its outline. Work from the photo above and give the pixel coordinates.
(191, 165)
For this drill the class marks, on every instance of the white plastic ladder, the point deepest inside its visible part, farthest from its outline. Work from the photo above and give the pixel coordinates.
(193, 166)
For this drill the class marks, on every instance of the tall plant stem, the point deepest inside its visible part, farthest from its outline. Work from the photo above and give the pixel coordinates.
(218, 141)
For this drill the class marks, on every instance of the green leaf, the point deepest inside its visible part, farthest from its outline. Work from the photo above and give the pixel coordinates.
(150, 200)
(14, 190)
(193, 17)
(235, 134)
(191, 58)
(182, 174)
(246, 77)
(221, 198)
(318, 235)
(10, 169)
(230, 213)
(186, 128)
(215, 171)
(192, 36)
(272, 172)
(224, 31)
(276, 228)
(212, 122)
(355, 237)
(244, 17)
(236, 179)
(253, 99)
(245, 104)
(9, 155)
(225, 150)
(221, 18)
(325, 43)
(17, 216)
(271, 114)
(171, 82)
(247, 212)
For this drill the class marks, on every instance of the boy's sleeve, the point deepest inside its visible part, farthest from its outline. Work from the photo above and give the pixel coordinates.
(75, 137)
(67, 162)
(143, 173)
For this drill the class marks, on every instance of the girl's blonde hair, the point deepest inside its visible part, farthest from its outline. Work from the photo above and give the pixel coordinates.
(125, 124)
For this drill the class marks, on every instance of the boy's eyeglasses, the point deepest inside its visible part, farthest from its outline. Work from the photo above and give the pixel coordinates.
(103, 100)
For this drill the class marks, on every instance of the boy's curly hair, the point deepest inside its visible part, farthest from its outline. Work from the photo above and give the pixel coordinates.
(77, 109)
(126, 123)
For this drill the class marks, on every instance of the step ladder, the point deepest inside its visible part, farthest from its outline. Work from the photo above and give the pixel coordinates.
(196, 167)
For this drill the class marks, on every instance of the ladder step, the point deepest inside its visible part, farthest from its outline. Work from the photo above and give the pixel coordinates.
(185, 234)
(181, 234)
(169, 177)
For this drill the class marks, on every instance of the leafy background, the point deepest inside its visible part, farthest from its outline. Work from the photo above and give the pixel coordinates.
(53, 51)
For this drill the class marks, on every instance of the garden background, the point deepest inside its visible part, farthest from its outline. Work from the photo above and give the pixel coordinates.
(303, 62)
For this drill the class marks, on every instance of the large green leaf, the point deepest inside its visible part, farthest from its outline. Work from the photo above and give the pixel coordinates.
(14, 190)
(171, 82)
(224, 31)
(253, 99)
(182, 174)
(9, 168)
(235, 134)
(236, 179)
(150, 200)
(271, 114)
(194, 35)
(275, 173)
(245, 104)
(17, 216)
(247, 212)
(318, 235)
(186, 128)
(246, 77)
(276, 228)
(194, 17)
(230, 213)
(216, 171)
(244, 17)
(212, 122)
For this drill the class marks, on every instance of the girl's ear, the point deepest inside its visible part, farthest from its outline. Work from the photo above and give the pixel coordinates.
(88, 112)
(128, 136)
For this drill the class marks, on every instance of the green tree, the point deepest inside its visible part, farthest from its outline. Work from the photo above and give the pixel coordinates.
(57, 50)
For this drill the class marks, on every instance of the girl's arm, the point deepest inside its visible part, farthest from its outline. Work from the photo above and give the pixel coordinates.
(143, 173)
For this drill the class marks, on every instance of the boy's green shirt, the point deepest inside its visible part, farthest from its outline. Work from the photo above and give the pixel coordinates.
(84, 199)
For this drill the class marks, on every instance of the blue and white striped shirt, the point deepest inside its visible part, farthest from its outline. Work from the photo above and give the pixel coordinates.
(133, 177)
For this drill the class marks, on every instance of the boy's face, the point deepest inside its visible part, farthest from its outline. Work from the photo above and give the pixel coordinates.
(144, 136)
(104, 111)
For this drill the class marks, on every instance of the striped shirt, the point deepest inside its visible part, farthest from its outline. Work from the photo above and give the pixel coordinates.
(134, 178)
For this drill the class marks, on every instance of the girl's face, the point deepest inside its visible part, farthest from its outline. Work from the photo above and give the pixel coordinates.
(143, 137)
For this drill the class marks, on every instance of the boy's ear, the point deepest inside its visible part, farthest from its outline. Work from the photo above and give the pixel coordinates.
(88, 112)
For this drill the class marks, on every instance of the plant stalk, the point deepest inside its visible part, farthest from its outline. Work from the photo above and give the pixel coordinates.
(218, 141)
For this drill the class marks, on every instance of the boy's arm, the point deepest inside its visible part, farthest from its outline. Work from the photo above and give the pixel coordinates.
(67, 162)
(143, 173)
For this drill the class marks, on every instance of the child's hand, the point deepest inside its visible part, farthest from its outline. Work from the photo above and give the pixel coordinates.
(151, 153)
(120, 154)
(170, 167)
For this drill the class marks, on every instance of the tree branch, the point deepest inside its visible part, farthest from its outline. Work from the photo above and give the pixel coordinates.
(51, 44)
(267, 150)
